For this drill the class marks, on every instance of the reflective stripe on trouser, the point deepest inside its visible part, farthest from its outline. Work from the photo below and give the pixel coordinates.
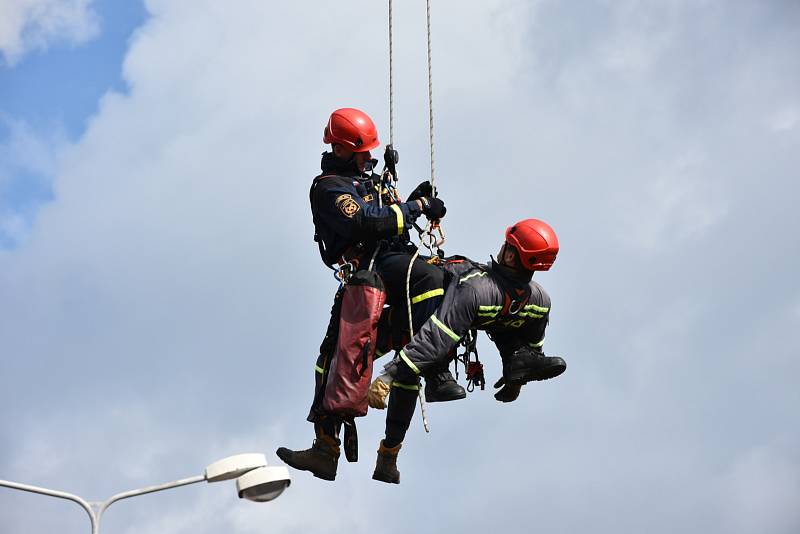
(400, 411)
(427, 292)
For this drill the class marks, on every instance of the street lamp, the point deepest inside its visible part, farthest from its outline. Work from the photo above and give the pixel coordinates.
(255, 482)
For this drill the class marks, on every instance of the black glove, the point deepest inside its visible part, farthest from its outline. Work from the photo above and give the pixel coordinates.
(423, 190)
(433, 208)
(509, 393)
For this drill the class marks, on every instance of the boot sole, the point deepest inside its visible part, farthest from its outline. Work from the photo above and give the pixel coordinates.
(435, 399)
(287, 459)
(523, 376)
(381, 478)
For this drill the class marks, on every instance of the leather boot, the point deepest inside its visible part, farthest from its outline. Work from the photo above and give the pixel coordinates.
(386, 464)
(525, 365)
(442, 387)
(321, 459)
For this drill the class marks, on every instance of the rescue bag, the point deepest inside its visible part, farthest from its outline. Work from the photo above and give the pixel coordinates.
(350, 371)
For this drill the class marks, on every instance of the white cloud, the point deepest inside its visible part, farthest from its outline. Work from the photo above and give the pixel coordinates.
(28, 162)
(27, 25)
(169, 306)
(681, 200)
(763, 488)
(784, 119)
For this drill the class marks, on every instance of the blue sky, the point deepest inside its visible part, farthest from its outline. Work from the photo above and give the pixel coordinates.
(49, 93)
(165, 308)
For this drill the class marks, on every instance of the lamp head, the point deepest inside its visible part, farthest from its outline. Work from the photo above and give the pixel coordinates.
(263, 484)
(234, 466)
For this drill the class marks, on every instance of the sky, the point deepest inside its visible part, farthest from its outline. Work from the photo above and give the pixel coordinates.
(163, 301)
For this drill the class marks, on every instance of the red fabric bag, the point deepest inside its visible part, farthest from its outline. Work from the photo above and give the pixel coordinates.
(351, 367)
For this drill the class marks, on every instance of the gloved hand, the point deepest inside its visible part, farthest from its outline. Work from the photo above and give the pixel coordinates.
(508, 393)
(433, 208)
(378, 391)
(423, 190)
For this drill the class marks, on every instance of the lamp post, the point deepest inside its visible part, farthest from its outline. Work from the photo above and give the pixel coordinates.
(255, 481)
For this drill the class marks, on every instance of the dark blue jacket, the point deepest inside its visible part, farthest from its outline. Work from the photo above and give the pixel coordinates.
(350, 212)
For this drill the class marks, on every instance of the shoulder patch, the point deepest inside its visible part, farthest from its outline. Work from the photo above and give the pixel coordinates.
(347, 205)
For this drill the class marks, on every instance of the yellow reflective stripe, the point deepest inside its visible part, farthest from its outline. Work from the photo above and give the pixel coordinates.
(530, 314)
(537, 308)
(319, 369)
(490, 307)
(409, 362)
(537, 345)
(401, 224)
(410, 387)
(444, 328)
(427, 295)
(479, 273)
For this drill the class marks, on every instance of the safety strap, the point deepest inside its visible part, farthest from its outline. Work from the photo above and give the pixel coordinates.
(317, 238)
(515, 294)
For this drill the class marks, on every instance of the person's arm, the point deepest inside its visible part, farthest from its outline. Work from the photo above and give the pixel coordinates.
(530, 336)
(350, 216)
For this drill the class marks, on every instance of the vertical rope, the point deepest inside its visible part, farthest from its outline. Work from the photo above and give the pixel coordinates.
(430, 97)
(391, 80)
(411, 336)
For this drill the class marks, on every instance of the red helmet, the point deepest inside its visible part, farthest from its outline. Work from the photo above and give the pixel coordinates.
(536, 243)
(352, 128)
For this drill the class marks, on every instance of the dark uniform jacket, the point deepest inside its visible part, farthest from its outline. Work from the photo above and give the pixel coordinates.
(475, 298)
(351, 216)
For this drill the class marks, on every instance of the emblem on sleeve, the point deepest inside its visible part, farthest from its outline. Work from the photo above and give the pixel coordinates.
(347, 205)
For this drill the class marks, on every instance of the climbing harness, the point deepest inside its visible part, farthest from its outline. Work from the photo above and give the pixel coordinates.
(472, 367)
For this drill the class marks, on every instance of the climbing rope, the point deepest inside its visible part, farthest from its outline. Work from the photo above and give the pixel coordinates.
(427, 237)
(391, 79)
(430, 96)
(411, 336)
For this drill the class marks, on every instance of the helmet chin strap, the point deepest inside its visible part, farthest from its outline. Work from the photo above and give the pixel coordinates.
(369, 165)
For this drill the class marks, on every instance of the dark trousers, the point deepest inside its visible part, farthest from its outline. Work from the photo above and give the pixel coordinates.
(426, 289)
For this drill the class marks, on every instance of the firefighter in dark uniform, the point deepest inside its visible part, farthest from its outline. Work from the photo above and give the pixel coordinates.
(358, 220)
(501, 299)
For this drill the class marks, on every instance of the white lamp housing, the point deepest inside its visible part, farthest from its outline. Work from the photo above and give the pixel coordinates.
(263, 484)
(234, 466)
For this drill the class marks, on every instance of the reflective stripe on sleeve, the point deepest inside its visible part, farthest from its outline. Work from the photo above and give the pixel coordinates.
(539, 309)
(401, 223)
(488, 311)
(427, 295)
(537, 345)
(319, 369)
(444, 328)
(409, 362)
(473, 275)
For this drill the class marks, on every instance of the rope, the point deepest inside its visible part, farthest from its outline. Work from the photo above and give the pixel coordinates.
(391, 142)
(411, 336)
(430, 96)
(391, 80)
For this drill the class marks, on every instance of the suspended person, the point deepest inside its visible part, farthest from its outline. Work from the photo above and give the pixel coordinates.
(358, 220)
(500, 298)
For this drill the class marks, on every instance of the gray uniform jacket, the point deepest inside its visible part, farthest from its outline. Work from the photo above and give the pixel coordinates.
(474, 299)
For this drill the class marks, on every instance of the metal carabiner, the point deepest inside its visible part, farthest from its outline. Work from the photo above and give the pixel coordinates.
(342, 272)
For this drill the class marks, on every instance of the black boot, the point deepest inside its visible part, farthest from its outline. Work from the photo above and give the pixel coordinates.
(441, 387)
(525, 365)
(386, 464)
(321, 459)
